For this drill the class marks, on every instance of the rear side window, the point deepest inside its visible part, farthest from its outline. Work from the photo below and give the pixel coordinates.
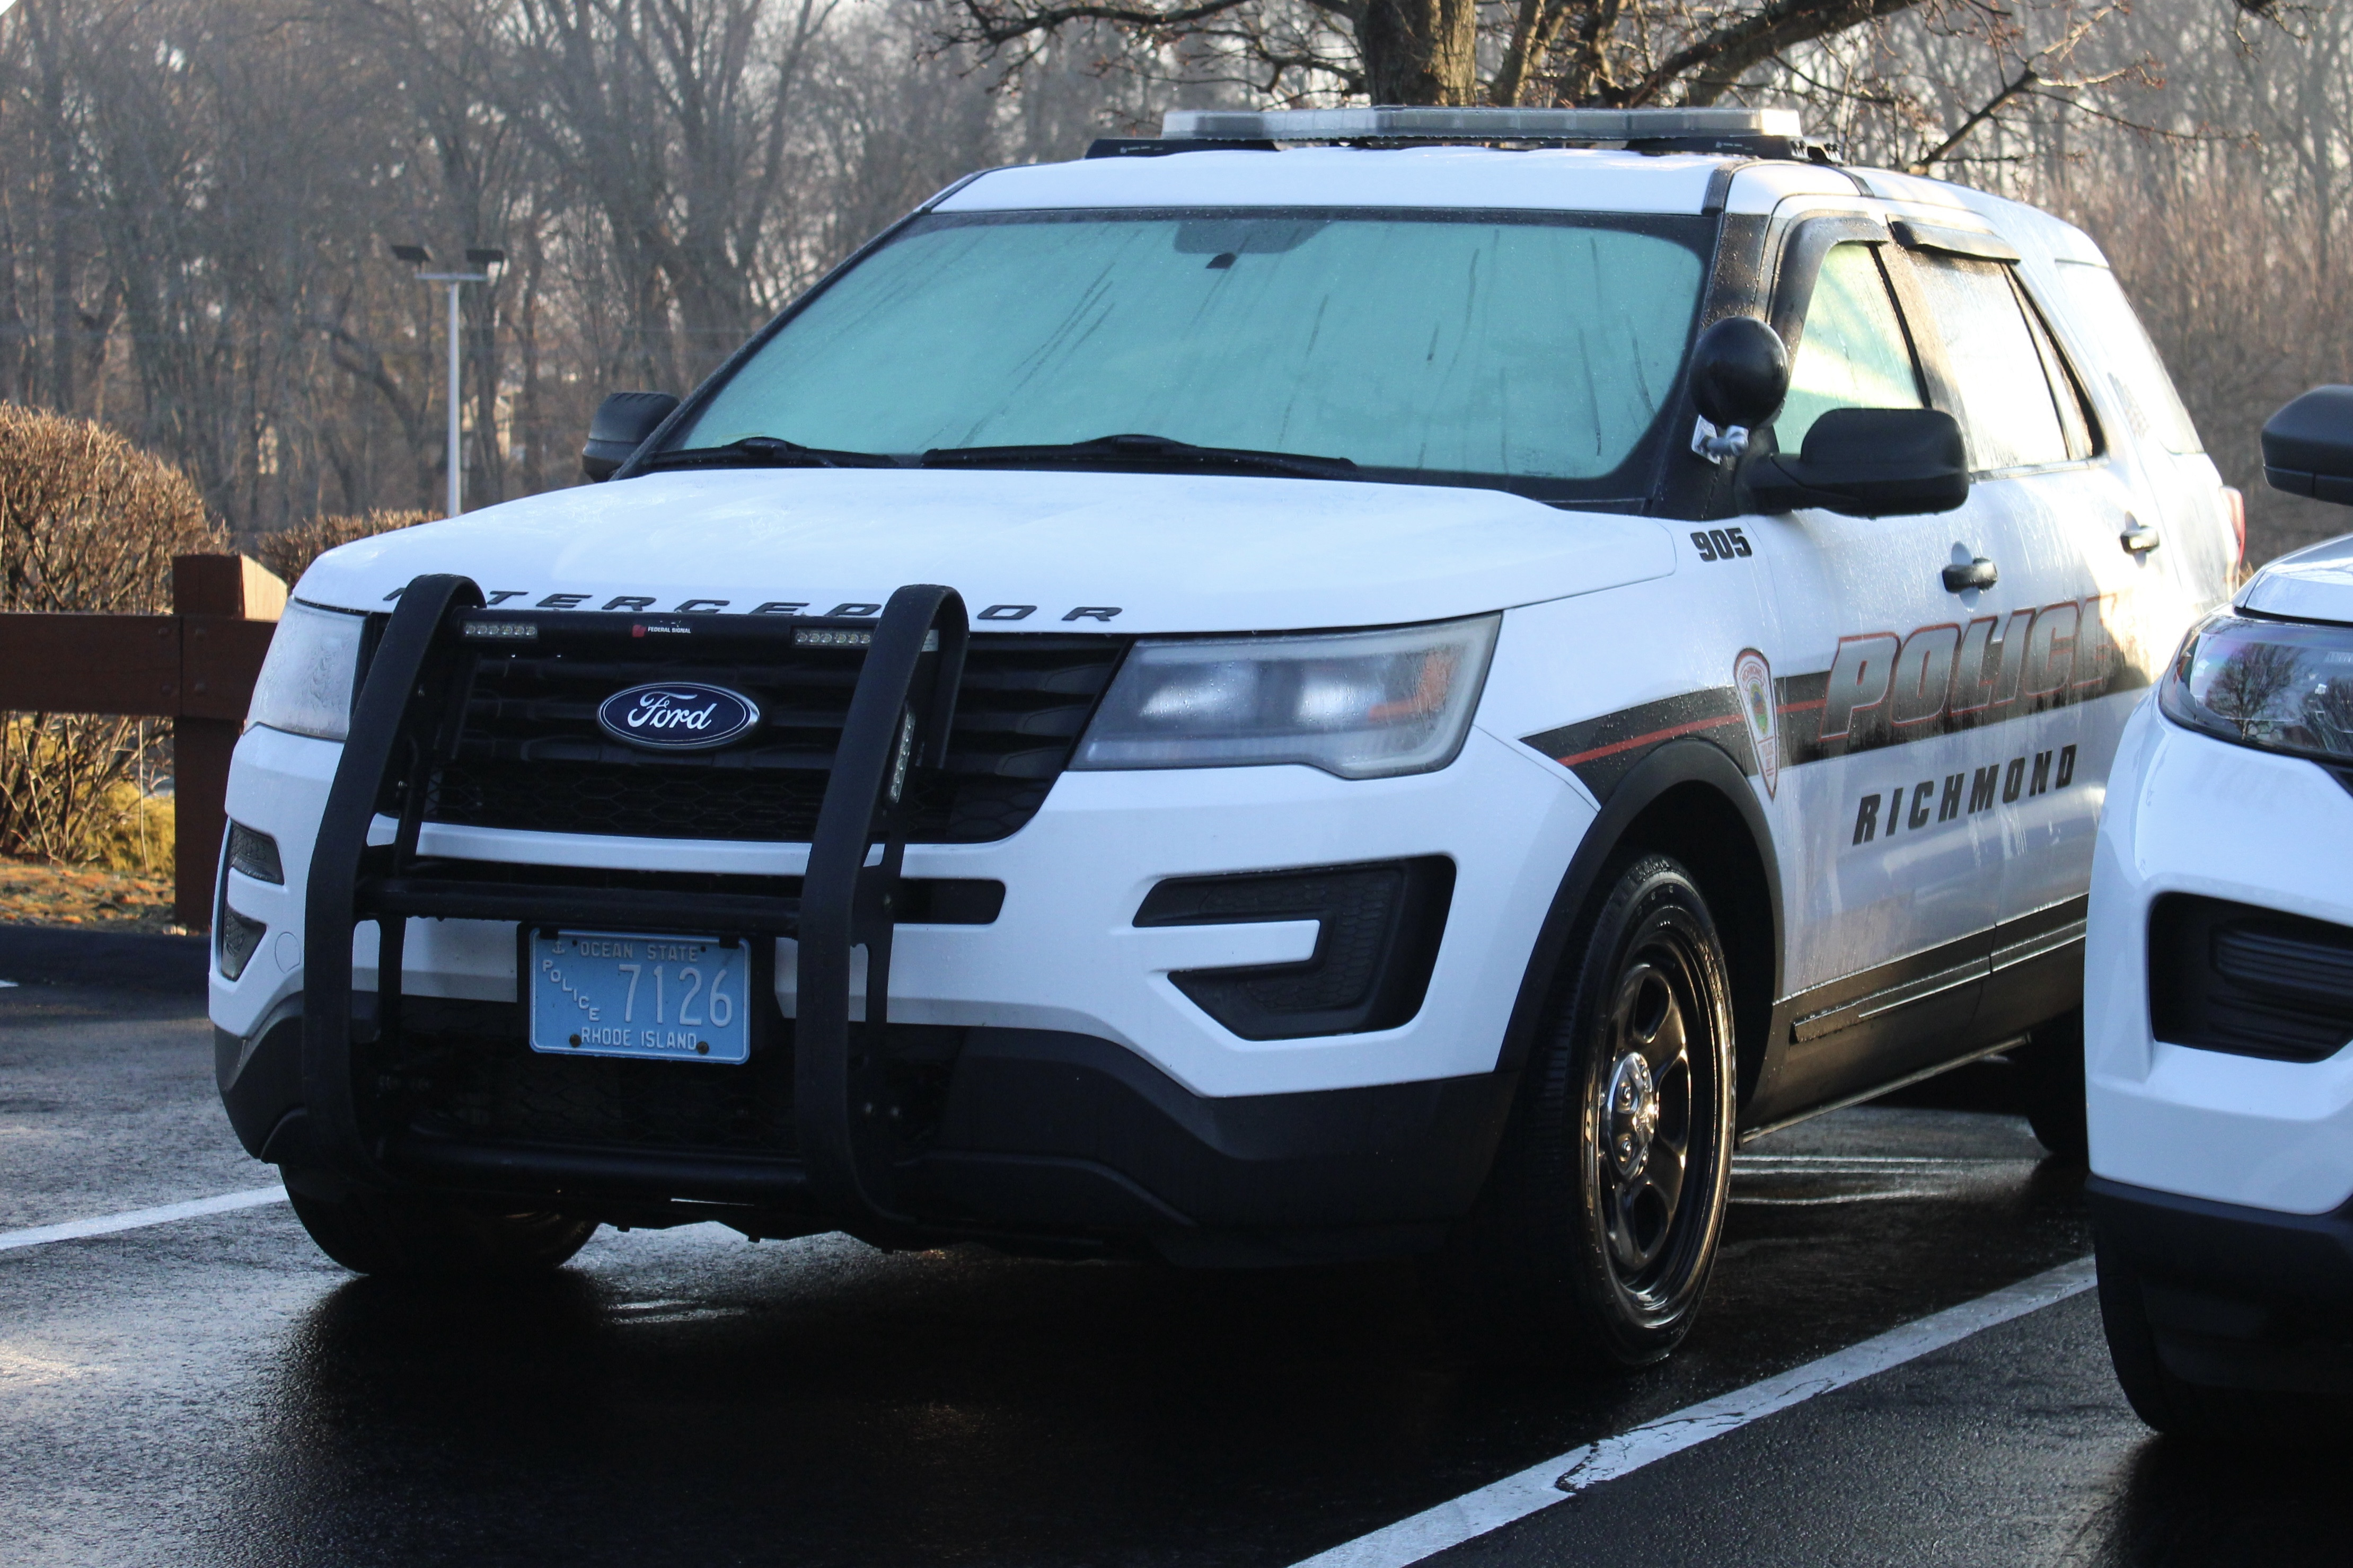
(1852, 353)
(2074, 415)
(2142, 384)
(2009, 406)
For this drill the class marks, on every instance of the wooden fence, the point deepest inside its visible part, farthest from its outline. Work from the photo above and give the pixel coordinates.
(195, 667)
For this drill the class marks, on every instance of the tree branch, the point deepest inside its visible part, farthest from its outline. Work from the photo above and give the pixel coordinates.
(2025, 78)
(1729, 52)
(992, 24)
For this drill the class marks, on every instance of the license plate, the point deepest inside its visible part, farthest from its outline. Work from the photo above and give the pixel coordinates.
(615, 994)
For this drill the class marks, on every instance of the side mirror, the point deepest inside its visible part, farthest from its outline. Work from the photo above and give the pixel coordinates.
(623, 421)
(2308, 446)
(1739, 373)
(1869, 462)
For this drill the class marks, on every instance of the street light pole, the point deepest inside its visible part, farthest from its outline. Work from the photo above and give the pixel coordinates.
(421, 257)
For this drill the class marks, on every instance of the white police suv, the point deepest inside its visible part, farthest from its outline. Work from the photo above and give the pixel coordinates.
(1330, 683)
(2222, 994)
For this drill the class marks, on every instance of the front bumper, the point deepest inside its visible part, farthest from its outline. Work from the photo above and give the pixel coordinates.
(2189, 814)
(2236, 1297)
(1041, 1135)
(1065, 953)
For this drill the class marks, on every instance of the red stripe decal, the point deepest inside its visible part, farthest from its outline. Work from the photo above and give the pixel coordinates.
(1656, 735)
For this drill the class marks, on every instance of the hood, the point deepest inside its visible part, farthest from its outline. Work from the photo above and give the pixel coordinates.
(2313, 584)
(1154, 552)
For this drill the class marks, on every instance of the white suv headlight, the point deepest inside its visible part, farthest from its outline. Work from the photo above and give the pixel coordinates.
(1359, 704)
(2282, 686)
(305, 687)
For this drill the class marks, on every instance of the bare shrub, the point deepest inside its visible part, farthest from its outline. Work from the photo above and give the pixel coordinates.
(290, 551)
(88, 524)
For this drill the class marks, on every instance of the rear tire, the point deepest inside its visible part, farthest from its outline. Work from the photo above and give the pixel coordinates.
(2051, 1072)
(1597, 1231)
(400, 1235)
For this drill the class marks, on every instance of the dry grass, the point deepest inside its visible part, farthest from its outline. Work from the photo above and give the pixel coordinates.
(89, 523)
(290, 552)
(35, 894)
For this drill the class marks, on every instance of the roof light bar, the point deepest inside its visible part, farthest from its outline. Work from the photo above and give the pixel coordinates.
(1477, 124)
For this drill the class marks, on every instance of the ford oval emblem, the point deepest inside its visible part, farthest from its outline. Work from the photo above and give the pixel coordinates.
(678, 716)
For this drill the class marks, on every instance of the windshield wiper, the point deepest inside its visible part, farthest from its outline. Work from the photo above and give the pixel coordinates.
(761, 452)
(1140, 451)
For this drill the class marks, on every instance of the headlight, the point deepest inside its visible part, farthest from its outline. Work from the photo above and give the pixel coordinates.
(305, 687)
(2285, 685)
(1362, 705)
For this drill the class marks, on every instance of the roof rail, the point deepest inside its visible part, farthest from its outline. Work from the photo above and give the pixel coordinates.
(1758, 132)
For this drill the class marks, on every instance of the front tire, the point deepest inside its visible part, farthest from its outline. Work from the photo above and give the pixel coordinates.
(1598, 1226)
(405, 1236)
(2235, 1420)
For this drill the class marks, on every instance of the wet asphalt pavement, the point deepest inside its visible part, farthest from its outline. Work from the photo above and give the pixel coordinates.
(213, 1391)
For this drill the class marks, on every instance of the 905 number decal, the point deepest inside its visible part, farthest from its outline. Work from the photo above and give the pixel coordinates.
(1721, 543)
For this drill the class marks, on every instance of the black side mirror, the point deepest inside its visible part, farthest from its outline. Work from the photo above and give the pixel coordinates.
(1739, 373)
(1869, 462)
(2308, 446)
(623, 421)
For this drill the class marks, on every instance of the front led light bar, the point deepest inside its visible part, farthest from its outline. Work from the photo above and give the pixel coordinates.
(1478, 124)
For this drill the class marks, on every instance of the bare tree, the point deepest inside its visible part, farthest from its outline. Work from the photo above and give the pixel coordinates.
(673, 119)
(1607, 53)
(2251, 681)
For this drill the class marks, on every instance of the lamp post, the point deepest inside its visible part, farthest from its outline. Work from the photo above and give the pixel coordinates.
(419, 256)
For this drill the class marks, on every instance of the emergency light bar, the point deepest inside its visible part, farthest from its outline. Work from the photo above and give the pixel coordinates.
(1394, 124)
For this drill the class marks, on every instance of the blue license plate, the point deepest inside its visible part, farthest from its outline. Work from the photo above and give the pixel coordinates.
(615, 994)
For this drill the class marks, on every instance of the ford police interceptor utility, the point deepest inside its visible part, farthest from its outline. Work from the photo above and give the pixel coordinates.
(1332, 683)
(2221, 1001)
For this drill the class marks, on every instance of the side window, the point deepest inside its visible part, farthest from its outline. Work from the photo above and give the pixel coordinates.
(2150, 399)
(1852, 353)
(2075, 417)
(2007, 403)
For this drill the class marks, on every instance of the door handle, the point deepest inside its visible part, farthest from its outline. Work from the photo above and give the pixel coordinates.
(1978, 573)
(2139, 540)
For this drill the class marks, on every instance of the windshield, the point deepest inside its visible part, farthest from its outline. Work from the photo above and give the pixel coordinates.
(1534, 350)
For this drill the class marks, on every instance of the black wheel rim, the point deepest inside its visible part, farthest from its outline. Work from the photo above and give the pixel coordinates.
(1653, 1154)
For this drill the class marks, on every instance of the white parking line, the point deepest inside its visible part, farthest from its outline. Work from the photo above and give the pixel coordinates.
(133, 1219)
(1540, 1485)
(1876, 1161)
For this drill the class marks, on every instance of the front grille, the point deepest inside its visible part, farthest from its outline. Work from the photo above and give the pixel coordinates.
(2253, 981)
(465, 1071)
(531, 757)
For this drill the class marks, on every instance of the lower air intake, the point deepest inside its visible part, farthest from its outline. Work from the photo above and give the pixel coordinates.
(1381, 924)
(2250, 981)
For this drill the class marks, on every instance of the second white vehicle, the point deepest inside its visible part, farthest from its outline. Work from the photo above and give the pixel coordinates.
(2221, 998)
(1314, 686)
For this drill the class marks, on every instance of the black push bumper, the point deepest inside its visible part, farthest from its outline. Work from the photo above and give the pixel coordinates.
(2237, 1297)
(889, 1131)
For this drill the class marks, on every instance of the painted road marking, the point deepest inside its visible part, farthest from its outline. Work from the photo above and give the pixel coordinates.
(1877, 1161)
(1539, 1487)
(134, 1219)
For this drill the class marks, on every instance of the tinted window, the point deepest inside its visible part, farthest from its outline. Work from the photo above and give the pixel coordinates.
(2145, 389)
(1852, 353)
(2006, 402)
(1421, 345)
(2075, 421)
